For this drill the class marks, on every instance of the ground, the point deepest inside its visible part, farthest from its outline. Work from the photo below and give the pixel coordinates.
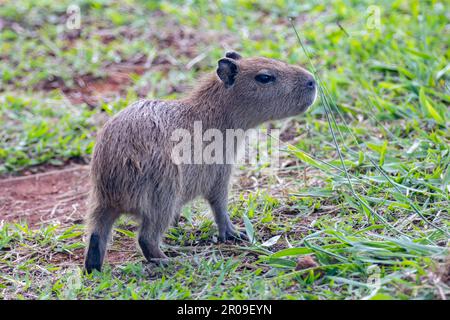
(357, 209)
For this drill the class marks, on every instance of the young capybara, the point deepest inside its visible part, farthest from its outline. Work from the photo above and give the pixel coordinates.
(132, 169)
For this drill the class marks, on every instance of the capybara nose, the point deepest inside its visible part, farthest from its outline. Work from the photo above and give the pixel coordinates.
(311, 84)
(307, 81)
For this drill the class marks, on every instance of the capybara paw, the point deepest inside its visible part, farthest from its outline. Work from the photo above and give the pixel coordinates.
(232, 235)
(89, 267)
(151, 250)
(93, 256)
(160, 261)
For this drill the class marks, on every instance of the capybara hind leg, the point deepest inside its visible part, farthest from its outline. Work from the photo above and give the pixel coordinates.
(150, 235)
(176, 216)
(100, 225)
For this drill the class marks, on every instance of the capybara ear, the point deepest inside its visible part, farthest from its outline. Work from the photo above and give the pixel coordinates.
(227, 70)
(233, 55)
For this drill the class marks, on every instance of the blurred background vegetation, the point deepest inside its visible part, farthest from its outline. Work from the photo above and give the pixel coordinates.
(55, 78)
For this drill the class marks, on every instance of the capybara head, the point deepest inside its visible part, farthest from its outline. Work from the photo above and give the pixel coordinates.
(269, 88)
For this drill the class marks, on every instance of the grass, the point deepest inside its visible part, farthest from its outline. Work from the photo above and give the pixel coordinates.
(365, 189)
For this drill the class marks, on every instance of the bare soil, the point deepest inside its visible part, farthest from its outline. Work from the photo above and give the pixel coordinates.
(93, 90)
(57, 196)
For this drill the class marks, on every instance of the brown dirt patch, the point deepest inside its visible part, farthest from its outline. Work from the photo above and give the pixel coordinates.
(57, 196)
(94, 90)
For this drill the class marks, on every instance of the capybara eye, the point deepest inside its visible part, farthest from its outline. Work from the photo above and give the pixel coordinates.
(264, 78)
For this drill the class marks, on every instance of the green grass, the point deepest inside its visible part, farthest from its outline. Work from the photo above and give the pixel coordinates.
(368, 194)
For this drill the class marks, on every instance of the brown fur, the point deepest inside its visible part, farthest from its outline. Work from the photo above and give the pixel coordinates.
(132, 170)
